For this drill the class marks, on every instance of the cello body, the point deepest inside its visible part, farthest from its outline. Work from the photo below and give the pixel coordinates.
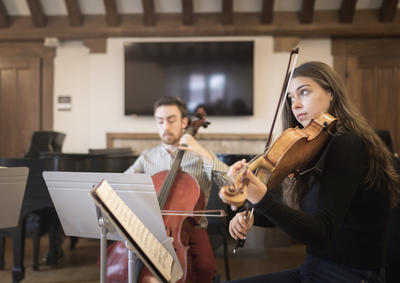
(179, 227)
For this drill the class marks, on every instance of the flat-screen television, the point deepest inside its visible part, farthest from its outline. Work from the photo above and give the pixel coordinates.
(215, 75)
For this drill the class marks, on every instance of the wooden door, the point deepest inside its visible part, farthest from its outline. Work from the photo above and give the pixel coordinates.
(379, 94)
(19, 103)
(371, 69)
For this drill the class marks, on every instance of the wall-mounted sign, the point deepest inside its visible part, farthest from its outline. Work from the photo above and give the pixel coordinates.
(64, 103)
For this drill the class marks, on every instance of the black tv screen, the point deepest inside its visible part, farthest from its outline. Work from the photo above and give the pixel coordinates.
(216, 75)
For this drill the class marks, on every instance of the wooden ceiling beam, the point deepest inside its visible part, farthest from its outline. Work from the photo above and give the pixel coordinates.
(113, 18)
(267, 12)
(388, 10)
(227, 12)
(38, 17)
(286, 24)
(74, 13)
(4, 18)
(347, 11)
(307, 11)
(149, 16)
(187, 12)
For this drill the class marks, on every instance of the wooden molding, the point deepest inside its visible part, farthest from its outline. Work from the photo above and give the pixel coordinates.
(286, 24)
(132, 136)
(38, 17)
(267, 12)
(307, 11)
(112, 16)
(347, 10)
(4, 18)
(388, 10)
(96, 45)
(74, 13)
(285, 44)
(187, 12)
(364, 47)
(227, 12)
(149, 17)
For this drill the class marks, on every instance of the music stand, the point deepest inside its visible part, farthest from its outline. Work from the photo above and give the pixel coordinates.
(12, 190)
(79, 216)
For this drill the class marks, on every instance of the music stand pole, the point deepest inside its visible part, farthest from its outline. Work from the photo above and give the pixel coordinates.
(105, 226)
(131, 263)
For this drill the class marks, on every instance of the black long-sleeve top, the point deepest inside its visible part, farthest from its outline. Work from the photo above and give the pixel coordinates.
(340, 219)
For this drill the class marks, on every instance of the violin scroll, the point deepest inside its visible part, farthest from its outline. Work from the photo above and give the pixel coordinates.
(236, 194)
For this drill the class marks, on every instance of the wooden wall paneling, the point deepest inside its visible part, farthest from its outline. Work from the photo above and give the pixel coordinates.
(113, 18)
(227, 12)
(46, 118)
(347, 11)
(353, 81)
(396, 101)
(267, 11)
(74, 13)
(388, 10)
(37, 15)
(4, 18)
(20, 103)
(307, 11)
(187, 12)
(372, 79)
(149, 17)
(368, 106)
(46, 55)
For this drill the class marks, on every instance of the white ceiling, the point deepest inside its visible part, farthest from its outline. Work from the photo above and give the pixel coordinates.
(57, 7)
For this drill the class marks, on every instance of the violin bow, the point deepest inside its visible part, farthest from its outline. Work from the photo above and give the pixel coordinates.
(282, 97)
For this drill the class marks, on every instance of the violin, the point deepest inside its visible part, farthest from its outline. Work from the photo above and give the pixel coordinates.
(291, 153)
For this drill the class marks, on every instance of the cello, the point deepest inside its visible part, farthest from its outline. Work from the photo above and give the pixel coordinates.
(172, 187)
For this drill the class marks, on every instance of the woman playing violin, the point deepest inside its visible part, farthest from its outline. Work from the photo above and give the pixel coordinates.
(339, 209)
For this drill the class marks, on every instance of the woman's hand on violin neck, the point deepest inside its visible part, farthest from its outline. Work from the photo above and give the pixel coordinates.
(239, 225)
(256, 189)
(189, 143)
(235, 168)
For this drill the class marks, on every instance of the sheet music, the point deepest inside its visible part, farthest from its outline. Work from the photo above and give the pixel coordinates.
(153, 249)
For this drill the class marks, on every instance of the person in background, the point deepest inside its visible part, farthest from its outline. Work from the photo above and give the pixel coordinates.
(170, 114)
(340, 210)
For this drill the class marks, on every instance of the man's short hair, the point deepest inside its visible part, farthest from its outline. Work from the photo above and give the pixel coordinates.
(172, 100)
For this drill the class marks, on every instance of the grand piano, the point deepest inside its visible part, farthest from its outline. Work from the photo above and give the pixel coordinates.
(37, 198)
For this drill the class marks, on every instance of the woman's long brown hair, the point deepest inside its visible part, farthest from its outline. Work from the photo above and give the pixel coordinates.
(381, 173)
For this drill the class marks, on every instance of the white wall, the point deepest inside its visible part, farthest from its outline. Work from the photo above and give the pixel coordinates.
(96, 81)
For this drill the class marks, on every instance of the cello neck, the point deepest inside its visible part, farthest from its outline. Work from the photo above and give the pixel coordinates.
(169, 180)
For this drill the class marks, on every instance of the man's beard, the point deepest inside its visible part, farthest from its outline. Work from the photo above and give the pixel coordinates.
(169, 139)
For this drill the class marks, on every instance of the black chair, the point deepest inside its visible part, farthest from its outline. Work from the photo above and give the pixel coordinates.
(45, 141)
(218, 227)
